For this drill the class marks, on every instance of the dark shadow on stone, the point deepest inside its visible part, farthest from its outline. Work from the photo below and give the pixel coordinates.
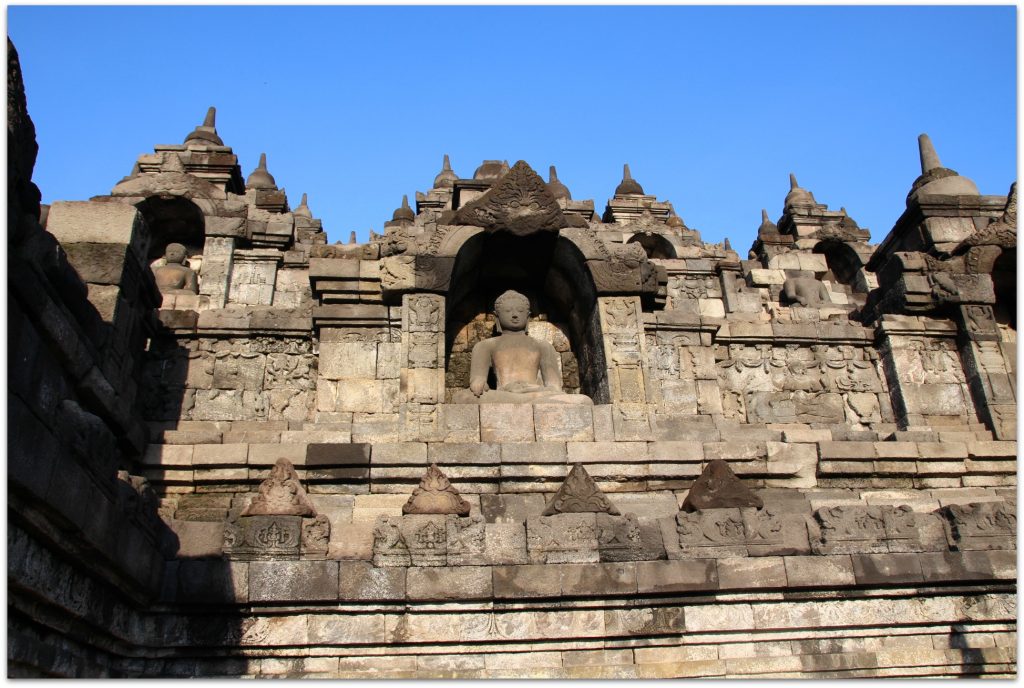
(719, 488)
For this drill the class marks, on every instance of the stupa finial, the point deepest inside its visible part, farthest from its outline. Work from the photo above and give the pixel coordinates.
(206, 133)
(260, 177)
(628, 185)
(929, 158)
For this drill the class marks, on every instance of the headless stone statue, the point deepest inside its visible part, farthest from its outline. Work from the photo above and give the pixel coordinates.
(526, 368)
(805, 291)
(175, 277)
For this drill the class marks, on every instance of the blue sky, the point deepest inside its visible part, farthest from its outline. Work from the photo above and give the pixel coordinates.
(712, 107)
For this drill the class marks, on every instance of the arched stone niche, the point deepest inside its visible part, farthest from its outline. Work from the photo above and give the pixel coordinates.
(551, 272)
(173, 219)
(843, 263)
(654, 245)
(1004, 283)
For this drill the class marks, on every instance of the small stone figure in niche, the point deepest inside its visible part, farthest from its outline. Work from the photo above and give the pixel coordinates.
(805, 291)
(175, 277)
(526, 368)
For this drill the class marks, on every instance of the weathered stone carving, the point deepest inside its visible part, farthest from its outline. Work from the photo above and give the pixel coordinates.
(623, 538)
(281, 494)
(982, 525)
(805, 291)
(175, 277)
(711, 533)
(849, 529)
(719, 488)
(263, 537)
(770, 532)
(562, 538)
(465, 539)
(519, 202)
(865, 529)
(316, 534)
(435, 495)
(429, 540)
(526, 368)
(389, 548)
(794, 407)
(579, 494)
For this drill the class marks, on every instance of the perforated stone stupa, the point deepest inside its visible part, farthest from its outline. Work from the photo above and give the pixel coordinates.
(237, 450)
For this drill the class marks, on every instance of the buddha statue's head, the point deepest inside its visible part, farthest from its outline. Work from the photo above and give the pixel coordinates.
(175, 254)
(512, 310)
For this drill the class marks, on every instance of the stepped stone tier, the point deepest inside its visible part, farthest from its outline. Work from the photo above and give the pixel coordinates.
(236, 450)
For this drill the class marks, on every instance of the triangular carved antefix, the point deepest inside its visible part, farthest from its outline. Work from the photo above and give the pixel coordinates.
(719, 488)
(435, 495)
(281, 494)
(519, 202)
(579, 494)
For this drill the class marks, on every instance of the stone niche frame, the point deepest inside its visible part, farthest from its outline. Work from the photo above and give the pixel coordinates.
(552, 272)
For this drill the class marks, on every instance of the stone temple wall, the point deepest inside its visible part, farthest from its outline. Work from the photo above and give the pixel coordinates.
(863, 394)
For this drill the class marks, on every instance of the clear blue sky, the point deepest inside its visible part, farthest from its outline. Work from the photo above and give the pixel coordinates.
(711, 106)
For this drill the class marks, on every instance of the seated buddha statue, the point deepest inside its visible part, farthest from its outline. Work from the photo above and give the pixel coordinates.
(175, 277)
(526, 369)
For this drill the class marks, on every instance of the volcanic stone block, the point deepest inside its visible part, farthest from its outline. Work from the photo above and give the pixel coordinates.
(359, 580)
(348, 361)
(566, 422)
(215, 581)
(676, 576)
(819, 571)
(353, 454)
(453, 583)
(882, 569)
(598, 579)
(286, 581)
(472, 453)
(462, 422)
(98, 223)
(531, 580)
(505, 543)
(746, 573)
(346, 628)
(506, 423)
